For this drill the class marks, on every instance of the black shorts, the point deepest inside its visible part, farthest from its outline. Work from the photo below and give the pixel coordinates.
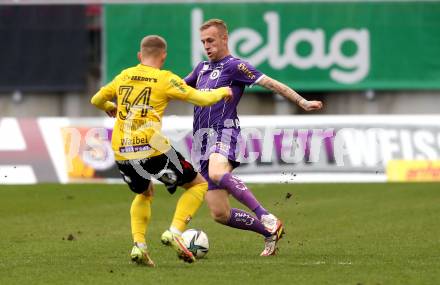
(138, 173)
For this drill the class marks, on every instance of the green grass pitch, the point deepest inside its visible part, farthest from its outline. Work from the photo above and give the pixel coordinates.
(358, 234)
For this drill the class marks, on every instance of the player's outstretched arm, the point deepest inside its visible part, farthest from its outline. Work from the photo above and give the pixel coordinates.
(289, 93)
(178, 89)
(208, 98)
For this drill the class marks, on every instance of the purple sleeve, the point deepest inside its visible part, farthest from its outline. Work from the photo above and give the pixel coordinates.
(191, 79)
(246, 73)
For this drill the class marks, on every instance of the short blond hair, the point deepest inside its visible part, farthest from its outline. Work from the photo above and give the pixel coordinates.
(153, 45)
(219, 24)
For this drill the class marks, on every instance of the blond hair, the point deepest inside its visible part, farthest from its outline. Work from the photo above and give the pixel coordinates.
(153, 45)
(219, 24)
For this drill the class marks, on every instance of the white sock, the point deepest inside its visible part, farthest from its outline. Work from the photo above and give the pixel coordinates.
(175, 231)
(140, 244)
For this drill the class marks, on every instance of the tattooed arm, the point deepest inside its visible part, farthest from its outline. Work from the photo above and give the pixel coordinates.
(289, 93)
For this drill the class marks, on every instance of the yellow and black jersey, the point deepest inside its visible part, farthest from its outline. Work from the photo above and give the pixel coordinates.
(142, 95)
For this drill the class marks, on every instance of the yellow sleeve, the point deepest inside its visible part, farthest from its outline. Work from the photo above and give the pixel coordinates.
(206, 98)
(103, 98)
(178, 89)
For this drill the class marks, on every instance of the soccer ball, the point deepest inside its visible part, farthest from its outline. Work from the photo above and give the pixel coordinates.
(196, 241)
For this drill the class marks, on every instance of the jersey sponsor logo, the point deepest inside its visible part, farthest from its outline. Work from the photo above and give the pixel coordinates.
(135, 140)
(243, 68)
(135, 148)
(141, 78)
(178, 85)
(214, 74)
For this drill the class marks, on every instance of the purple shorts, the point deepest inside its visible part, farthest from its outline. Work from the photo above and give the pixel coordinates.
(225, 142)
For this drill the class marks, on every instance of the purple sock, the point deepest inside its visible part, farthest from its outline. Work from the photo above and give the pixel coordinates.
(259, 211)
(239, 191)
(240, 219)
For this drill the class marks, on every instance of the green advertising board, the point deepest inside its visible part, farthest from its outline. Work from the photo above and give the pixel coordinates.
(307, 45)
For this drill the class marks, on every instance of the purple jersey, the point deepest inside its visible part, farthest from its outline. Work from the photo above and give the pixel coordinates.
(229, 71)
(216, 128)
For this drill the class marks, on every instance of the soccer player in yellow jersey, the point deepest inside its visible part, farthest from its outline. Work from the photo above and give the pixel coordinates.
(141, 151)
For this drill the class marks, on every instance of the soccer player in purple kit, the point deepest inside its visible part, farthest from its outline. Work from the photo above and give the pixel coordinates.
(216, 130)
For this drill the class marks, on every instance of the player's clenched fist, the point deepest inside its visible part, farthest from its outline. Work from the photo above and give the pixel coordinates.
(311, 105)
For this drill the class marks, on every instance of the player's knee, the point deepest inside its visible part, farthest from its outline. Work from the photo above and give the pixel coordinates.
(220, 216)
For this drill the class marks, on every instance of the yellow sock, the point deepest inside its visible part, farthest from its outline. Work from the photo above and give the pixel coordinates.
(188, 204)
(140, 213)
